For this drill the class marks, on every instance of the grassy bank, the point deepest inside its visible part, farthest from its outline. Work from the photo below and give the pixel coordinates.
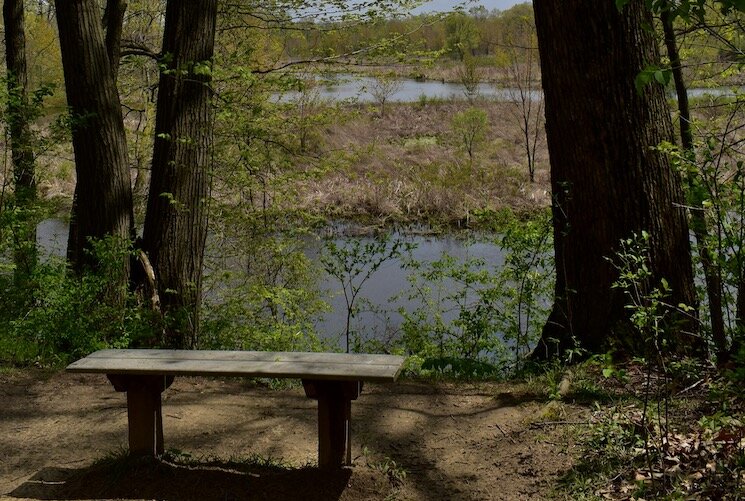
(410, 164)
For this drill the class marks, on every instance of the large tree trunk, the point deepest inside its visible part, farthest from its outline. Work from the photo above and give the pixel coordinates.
(21, 139)
(113, 18)
(176, 218)
(608, 180)
(103, 196)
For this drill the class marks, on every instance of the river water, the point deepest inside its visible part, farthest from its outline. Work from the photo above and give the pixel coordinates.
(384, 291)
(339, 87)
(387, 291)
(353, 87)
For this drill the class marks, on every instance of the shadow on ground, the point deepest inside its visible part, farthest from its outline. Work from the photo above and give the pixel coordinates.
(125, 478)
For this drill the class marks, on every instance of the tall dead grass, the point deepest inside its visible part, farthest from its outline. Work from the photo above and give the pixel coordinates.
(409, 165)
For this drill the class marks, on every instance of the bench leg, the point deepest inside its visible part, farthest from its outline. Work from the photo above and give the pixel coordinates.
(145, 419)
(334, 419)
(144, 412)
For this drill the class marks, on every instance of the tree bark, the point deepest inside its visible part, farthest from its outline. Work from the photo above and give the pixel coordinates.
(113, 19)
(102, 203)
(21, 138)
(176, 219)
(608, 180)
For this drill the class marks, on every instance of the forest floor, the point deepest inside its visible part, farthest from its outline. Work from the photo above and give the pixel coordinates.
(62, 437)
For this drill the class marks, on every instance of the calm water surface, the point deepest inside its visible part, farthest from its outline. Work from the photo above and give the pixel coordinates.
(339, 87)
(383, 291)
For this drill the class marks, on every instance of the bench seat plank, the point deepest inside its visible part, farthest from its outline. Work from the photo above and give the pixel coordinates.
(321, 366)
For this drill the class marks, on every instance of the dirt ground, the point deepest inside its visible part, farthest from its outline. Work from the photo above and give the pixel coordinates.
(62, 437)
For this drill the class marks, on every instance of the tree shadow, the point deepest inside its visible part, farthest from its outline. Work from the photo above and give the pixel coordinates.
(122, 477)
(428, 475)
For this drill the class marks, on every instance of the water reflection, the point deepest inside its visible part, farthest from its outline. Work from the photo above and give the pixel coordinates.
(350, 87)
(384, 292)
(340, 87)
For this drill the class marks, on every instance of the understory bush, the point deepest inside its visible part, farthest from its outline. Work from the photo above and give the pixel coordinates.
(58, 317)
(264, 298)
(474, 318)
(478, 319)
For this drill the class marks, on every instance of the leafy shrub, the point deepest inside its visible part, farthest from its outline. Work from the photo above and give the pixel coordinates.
(271, 304)
(71, 316)
(475, 316)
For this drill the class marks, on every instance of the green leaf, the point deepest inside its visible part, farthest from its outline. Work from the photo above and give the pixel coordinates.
(728, 5)
(662, 76)
(203, 68)
(641, 81)
(650, 74)
(608, 372)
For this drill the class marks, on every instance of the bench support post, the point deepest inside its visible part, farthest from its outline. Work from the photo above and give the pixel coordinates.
(144, 413)
(334, 419)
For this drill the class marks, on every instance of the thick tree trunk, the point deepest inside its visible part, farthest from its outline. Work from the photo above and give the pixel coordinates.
(176, 219)
(113, 18)
(21, 139)
(103, 196)
(608, 180)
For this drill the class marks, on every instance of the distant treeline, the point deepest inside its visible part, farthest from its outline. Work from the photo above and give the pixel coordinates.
(455, 35)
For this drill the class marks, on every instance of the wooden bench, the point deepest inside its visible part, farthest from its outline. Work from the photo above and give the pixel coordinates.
(334, 379)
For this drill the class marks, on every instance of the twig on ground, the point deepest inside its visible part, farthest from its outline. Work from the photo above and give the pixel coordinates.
(503, 433)
(544, 424)
(694, 385)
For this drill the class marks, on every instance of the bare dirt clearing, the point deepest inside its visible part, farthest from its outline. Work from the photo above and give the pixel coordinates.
(453, 441)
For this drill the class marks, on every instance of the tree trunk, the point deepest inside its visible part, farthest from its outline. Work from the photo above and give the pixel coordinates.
(21, 139)
(113, 18)
(176, 218)
(698, 221)
(608, 180)
(102, 203)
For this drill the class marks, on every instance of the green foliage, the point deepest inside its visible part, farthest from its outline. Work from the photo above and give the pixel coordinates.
(650, 314)
(261, 290)
(352, 264)
(529, 267)
(473, 316)
(690, 10)
(69, 316)
(608, 368)
(43, 56)
(462, 34)
(716, 187)
(470, 77)
(651, 74)
(459, 313)
(383, 89)
(260, 287)
(470, 128)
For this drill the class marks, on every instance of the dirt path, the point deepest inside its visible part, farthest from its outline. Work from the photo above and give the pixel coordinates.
(453, 441)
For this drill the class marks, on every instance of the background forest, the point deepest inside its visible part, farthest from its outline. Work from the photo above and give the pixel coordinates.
(221, 188)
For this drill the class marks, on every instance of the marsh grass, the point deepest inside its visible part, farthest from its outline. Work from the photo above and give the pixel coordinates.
(408, 165)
